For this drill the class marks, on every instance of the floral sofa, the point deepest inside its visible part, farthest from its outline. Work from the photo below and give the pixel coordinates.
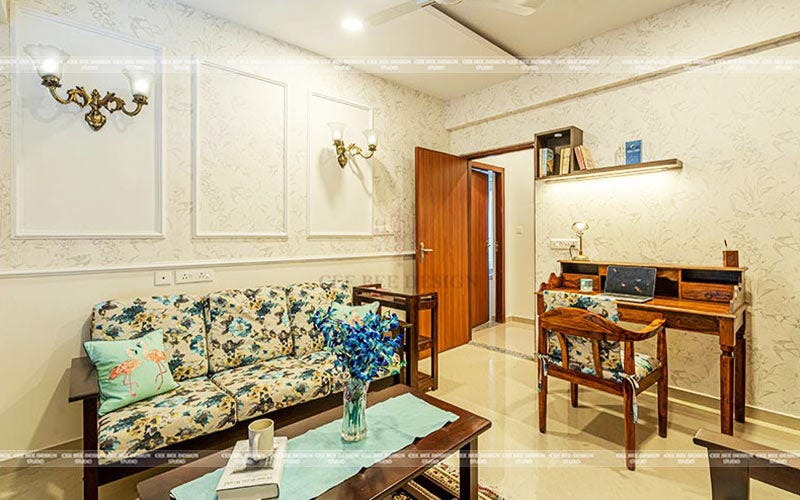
(236, 355)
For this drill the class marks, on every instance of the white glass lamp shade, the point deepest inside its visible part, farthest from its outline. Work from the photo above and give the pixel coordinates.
(337, 130)
(372, 135)
(141, 81)
(580, 227)
(49, 60)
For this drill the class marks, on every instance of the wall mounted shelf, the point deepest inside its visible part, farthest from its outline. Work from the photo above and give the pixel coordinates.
(616, 170)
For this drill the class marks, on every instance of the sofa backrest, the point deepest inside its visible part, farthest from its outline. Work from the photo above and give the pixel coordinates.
(181, 317)
(303, 300)
(247, 326)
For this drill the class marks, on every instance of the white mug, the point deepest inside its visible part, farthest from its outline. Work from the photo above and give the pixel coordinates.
(261, 436)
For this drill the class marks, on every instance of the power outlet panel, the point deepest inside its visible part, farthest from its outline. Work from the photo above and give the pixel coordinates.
(563, 243)
(163, 278)
(193, 275)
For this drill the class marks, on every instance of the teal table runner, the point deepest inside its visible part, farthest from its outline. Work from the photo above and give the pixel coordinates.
(319, 460)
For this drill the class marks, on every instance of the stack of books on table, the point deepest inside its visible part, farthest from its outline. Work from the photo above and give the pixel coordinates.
(244, 478)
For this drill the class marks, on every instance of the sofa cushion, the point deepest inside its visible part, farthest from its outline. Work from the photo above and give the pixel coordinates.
(325, 361)
(195, 408)
(181, 317)
(130, 370)
(247, 327)
(304, 299)
(272, 385)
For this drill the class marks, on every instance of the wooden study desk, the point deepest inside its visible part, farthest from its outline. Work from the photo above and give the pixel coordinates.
(702, 299)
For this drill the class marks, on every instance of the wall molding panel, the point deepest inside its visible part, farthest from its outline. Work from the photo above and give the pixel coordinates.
(344, 207)
(246, 193)
(73, 271)
(48, 139)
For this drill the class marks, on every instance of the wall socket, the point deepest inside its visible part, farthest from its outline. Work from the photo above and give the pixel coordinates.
(163, 278)
(563, 243)
(193, 275)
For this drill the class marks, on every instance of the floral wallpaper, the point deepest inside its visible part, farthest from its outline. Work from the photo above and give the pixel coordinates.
(408, 118)
(738, 135)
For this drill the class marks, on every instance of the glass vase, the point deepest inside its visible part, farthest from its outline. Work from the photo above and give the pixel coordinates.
(354, 420)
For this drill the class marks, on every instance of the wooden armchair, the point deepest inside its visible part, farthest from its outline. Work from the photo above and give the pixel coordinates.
(581, 342)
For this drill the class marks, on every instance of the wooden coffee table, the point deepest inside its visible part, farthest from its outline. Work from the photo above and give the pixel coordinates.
(373, 482)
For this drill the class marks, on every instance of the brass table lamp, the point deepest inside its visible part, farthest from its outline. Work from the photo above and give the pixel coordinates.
(580, 227)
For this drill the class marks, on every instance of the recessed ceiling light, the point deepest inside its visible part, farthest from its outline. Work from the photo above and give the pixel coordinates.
(352, 24)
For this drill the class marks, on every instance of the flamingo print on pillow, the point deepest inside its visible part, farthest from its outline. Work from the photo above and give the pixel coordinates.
(158, 357)
(126, 369)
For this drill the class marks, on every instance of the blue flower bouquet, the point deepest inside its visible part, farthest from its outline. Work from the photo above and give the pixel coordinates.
(364, 352)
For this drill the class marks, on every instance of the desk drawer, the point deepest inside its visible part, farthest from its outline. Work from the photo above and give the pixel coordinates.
(638, 315)
(711, 292)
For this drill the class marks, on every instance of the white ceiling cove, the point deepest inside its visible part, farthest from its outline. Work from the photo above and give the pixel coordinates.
(444, 51)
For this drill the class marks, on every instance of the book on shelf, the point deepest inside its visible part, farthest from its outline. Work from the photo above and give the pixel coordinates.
(546, 158)
(633, 152)
(563, 164)
(244, 479)
(588, 161)
(579, 158)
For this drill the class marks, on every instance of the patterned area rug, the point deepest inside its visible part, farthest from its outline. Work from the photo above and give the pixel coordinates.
(446, 477)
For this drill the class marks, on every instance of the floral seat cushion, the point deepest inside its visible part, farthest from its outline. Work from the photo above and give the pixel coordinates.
(181, 317)
(580, 350)
(247, 327)
(303, 300)
(644, 363)
(195, 408)
(264, 387)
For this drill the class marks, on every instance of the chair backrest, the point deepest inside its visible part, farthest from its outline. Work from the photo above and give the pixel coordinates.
(583, 341)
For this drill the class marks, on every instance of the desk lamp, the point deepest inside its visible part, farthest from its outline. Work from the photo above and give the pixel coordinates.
(580, 227)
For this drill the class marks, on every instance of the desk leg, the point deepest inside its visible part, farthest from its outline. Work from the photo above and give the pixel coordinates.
(740, 367)
(727, 343)
(468, 471)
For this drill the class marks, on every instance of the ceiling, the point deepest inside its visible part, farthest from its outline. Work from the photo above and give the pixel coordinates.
(446, 34)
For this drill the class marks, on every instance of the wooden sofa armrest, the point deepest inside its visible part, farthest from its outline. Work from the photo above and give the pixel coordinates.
(655, 327)
(734, 461)
(83, 380)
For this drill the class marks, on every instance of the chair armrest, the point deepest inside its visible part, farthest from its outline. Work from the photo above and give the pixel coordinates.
(83, 380)
(655, 326)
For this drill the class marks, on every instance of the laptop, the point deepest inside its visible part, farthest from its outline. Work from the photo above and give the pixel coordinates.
(630, 284)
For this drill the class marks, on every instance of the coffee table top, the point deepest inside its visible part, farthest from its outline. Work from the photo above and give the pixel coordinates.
(373, 482)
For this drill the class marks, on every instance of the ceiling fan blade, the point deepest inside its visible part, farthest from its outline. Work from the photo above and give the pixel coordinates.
(398, 10)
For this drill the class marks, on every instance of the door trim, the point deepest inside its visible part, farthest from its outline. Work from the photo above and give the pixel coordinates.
(500, 237)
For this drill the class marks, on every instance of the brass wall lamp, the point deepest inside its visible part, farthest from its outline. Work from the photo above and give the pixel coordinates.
(343, 154)
(49, 62)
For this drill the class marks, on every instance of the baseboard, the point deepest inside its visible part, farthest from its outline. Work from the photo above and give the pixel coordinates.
(521, 319)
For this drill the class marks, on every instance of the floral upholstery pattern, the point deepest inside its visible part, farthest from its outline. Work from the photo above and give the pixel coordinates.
(304, 299)
(180, 316)
(274, 384)
(247, 327)
(580, 353)
(195, 408)
(325, 361)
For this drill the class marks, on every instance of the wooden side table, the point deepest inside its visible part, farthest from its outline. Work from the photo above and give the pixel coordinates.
(414, 340)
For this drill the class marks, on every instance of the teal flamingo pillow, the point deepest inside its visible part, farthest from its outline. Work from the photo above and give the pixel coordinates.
(130, 370)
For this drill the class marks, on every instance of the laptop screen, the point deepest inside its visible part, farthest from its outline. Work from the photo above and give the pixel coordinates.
(639, 281)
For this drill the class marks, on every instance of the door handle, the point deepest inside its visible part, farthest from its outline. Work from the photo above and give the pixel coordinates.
(423, 251)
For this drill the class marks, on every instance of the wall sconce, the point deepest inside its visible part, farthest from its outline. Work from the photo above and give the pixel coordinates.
(49, 62)
(579, 227)
(345, 153)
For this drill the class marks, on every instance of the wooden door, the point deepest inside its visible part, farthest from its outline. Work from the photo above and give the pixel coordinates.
(479, 248)
(442, 241)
